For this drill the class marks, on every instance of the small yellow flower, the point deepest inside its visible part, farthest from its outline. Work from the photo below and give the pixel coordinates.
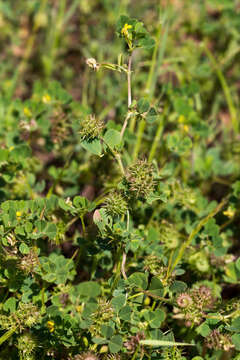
(27, 112)
(46, 99)
(11, 148)
(124, 30)
(51, 325)
(186, 128)
(230, 212)
(79, 308)
(18, 214)
(181, 119)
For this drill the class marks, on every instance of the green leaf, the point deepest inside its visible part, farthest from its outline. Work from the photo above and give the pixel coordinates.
(10, 305)
(154, 318)
(125, 313)
(138, 279)
(3, 155)
(156, 287)
(178, 144)
(19, 230)
(182, 107)
(94, 146)
(139, 28)
(143, 105)
(51, 231)
(115, 344)
(238, 264)
(107, 331)
(236, 341)
(203, 329)
(178, 287)
(89, 289)
(24, 249)
(118, 302)
(235, 326)
(146, 43)
(20, 152)
(236, 188)
(151, 115)
(112, 138)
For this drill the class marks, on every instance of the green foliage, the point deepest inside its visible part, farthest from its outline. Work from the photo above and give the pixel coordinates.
(119, 180)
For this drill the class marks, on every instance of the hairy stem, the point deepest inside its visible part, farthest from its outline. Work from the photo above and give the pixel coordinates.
(125, 124)
(141, 128)
(129, 79)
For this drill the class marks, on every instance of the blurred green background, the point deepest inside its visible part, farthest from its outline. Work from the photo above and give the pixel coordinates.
(45, 40)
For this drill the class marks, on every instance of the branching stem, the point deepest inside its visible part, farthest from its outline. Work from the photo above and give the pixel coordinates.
(129, 79)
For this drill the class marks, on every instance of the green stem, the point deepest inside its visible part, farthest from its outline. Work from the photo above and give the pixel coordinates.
(125, 124)
(71, 11)
(153, 62)
(157, 57)
(156, 140)
(129, 73)
(43, 307)
(194, 232)
(83, 225)
(141, 128)
(94, 266)
(132, 123)
(136, 352)
(7, 335)
(118, 269)
(226, 89)
(119, 160)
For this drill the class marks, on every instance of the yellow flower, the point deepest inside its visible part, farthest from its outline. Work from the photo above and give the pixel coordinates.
(51, 325)
(124, 30)
(230, 212)
(186, 128)
(27, 112)
(181, 119)
(46, 99)
(18, 214)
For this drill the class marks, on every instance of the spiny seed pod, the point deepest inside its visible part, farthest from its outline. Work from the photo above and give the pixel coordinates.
(172, 353)
(27, 314)
(133, 342)
(104, 310)
(169, 235)
(26, 127)
(115, 204)
(184, 300)
(203, 297)
(140, 180)
(219, 341)
(29, 262)
(60, 127)
(86, 356)
(112, 357)
(26, 346)
(91, 128)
